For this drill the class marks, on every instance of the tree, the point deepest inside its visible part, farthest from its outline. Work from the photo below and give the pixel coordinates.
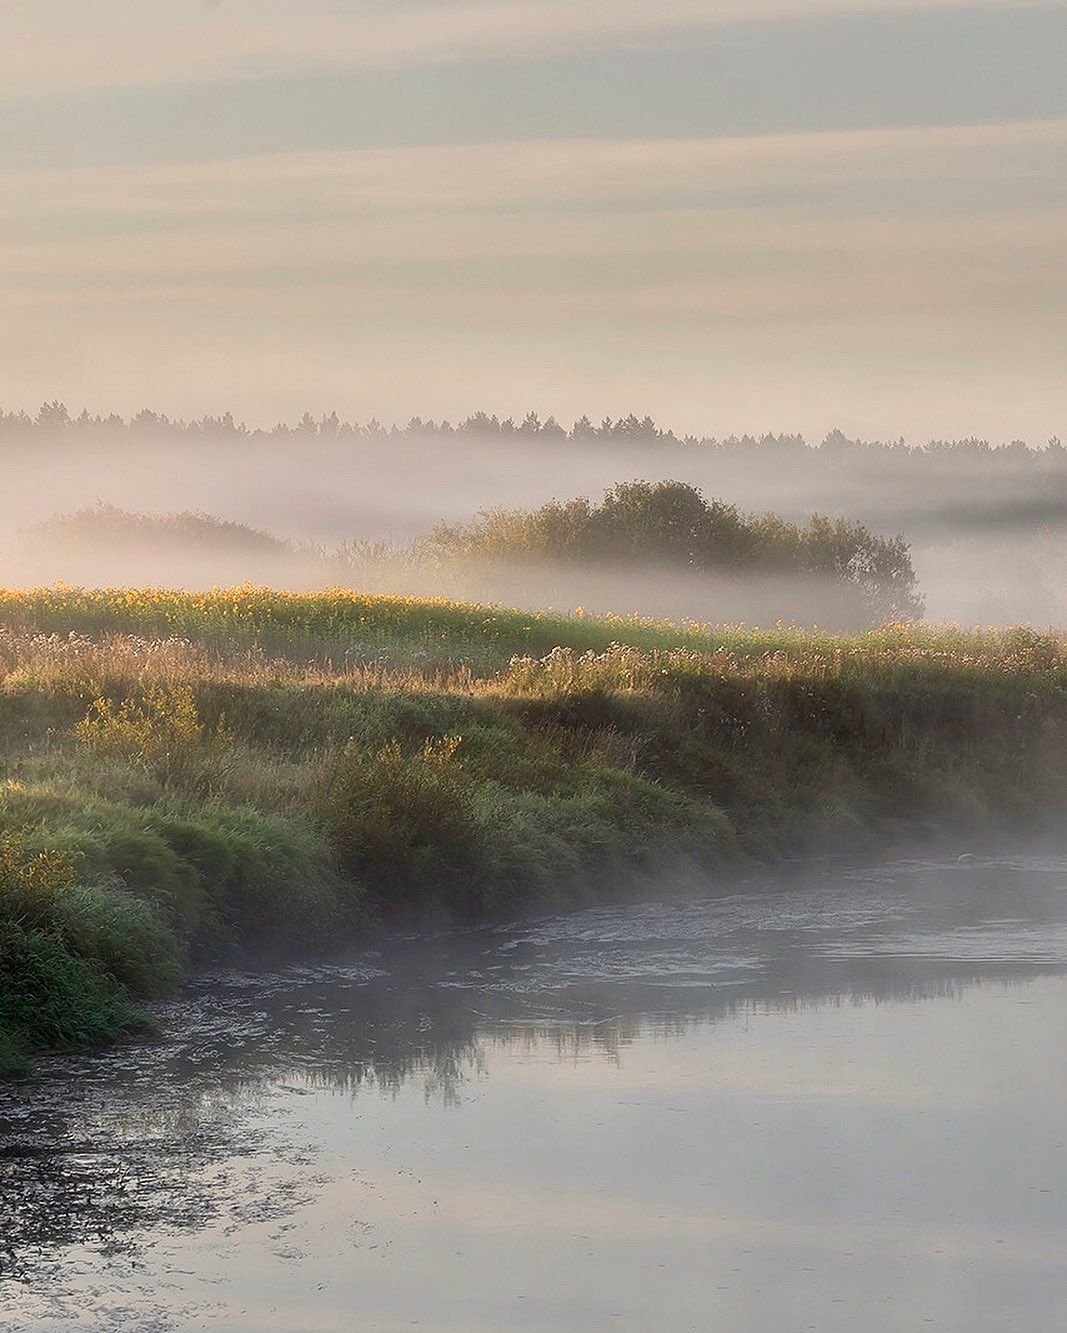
(879, 568)
(666, 521)
(53, 416)
(857, 576)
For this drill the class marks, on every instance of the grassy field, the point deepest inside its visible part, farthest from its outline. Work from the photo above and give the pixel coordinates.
(188, 776)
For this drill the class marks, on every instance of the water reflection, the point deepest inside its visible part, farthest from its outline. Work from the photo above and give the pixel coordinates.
(100, 1156)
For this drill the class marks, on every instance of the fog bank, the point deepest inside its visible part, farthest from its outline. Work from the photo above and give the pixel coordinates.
(987, 528)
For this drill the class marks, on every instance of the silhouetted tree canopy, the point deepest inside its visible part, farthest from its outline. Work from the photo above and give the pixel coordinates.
(53, 420)
(670, 523)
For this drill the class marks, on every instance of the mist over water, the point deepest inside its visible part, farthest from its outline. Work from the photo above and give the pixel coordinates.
(830, 1101)
(987, 547)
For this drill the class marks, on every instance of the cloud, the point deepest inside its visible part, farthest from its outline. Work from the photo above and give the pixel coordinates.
(873, 227)
(919, 272)
(1010, 165)
(111, 44)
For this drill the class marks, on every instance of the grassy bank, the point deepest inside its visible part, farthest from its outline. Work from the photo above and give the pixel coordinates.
(188, 776)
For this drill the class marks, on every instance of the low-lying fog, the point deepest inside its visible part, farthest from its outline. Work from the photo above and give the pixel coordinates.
(830, 1101)
(988, 543)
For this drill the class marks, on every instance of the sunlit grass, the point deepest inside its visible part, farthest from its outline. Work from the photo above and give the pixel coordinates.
(183, 774)
(340, 627)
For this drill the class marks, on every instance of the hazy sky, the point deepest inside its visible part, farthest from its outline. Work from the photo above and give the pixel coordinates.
(732, 214)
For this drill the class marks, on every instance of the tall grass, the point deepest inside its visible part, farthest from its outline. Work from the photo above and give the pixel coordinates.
(344, 628)
(184, 775)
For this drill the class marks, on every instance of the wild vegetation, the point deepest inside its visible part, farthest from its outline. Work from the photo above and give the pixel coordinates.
(663, 536)
(669, 525)
(184, 776)
(144, 533)
(105, 544)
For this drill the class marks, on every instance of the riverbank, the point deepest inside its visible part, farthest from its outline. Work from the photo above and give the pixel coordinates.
(184, 776)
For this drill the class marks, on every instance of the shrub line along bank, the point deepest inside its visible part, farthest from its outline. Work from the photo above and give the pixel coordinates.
(185, 776)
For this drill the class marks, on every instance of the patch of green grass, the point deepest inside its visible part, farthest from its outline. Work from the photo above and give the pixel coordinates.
(215, 876)
(51, 998)
(72, 956)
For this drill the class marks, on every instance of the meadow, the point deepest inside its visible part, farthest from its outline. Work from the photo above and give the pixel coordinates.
(244, 773)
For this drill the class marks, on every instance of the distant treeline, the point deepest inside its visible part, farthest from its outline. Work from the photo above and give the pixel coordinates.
(54, 421)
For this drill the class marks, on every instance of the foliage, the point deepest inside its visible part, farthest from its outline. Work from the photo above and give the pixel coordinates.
(160, 729)
(136, 533)
(392, 760)
(670, 524)
(404, 822)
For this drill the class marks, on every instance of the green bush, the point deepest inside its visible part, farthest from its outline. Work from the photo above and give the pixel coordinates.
(404, 825)
(160, 729)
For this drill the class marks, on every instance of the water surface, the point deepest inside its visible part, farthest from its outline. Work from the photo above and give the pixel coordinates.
(836, 1103)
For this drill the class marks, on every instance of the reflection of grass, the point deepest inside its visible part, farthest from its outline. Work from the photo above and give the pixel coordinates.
(189, 773)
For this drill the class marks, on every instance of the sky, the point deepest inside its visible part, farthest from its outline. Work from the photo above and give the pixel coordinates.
(734, 215)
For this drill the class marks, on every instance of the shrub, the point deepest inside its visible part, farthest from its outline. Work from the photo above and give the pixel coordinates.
(404, 825)
(161, 730)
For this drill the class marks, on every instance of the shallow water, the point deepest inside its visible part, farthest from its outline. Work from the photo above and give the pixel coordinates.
(836, 1104)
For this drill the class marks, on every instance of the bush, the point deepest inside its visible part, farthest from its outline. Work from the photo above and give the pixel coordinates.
(669, 524)
(404, 825)
(424, 833)
(161, 729)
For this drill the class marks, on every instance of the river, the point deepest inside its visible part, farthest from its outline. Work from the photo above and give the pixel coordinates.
(837, 1102)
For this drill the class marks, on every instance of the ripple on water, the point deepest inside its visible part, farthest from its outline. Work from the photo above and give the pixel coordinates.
(103, 1158)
